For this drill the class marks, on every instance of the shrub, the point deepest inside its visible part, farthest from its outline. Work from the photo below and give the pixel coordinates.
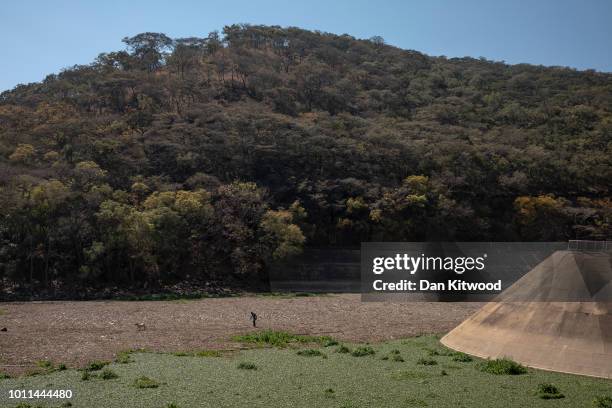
(343, 349)
(96, 365)
(123, 358)
(280, 338)
(245, 365)
(4, 376)
(427, 361)
(502, 366)
(269, 337)
(548, 391)
(602, 402)
(330, 342)
(548, 388)
(310, 353)
(398, 358)
(145, 382)
(461, 357)
(394, 355)
(431, 352)
(85, 376)
(108, 374)
(329, 392)
(46, 364)
(363, 351)
(61, 367)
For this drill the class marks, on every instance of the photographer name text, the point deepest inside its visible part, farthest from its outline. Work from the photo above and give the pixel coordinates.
(406, 285)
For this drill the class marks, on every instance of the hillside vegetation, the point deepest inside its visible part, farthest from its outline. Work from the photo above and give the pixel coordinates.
(211, 157)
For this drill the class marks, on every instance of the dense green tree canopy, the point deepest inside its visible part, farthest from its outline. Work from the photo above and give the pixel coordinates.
(213, 156)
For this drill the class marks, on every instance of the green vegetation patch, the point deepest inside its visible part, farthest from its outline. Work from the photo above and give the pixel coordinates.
(363, 351)
(105, 374)
(311, 353)
(200, 353)
(502, 366)
(247, 365)
(602, 402)
(279, 377)
(45, 364)
(145, 382)
(342, 349)
(394, 355)
(96, 365)
(108, 374)
(280, 338)
(438, 351)
(397, 358)
(124, 357)
(548, 391)
(427, 361)
(461, 357)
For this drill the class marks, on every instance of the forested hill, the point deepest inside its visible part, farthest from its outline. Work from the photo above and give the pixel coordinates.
(211, 156)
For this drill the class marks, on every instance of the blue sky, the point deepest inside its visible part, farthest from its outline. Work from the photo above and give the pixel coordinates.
(42, 37)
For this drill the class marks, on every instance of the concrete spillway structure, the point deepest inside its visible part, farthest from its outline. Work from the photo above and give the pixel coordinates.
(557, 317)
